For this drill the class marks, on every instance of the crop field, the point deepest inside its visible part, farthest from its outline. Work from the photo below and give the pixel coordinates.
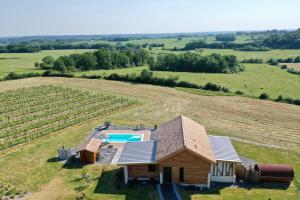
(258, 128)
(256, 79)
(24, 62)
(29, 113)
(295, 66)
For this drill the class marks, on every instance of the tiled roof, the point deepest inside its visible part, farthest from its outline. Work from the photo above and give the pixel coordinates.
(182, 133)
(90, 144)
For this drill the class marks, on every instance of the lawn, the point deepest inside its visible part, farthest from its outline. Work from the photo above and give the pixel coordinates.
(24, 62)
(257, 79)
(244, 119)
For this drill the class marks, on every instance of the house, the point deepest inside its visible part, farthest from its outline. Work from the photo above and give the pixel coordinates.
(181, 152)
(89, 149)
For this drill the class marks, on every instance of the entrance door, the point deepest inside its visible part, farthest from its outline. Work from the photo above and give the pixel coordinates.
(167, 175)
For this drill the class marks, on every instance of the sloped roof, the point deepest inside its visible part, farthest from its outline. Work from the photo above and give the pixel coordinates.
(90, 144)
(223, 149)
(182, 133)
(138, 153)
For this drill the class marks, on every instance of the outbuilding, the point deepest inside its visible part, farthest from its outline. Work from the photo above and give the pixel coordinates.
(89, 149)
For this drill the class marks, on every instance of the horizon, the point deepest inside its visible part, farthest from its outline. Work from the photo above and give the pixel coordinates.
(74, 17)
(154, 33)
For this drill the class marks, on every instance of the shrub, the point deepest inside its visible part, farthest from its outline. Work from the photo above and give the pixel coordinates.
(188, 85)
(272, 61)
(225, 89)
(212, 87)
(264, 96)
(14, 76)
(53, 73)
(107, 124)
(239, 92)
(297, 102)
(279, 98)
(283, 67)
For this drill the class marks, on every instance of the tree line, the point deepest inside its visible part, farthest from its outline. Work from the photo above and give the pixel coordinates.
(193, 62)
(253, 46)
(19, 48)
(33, 48)
(101, 59)
(289, 40)
(226, 37)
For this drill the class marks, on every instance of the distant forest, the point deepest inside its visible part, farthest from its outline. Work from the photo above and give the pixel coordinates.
(281, 40)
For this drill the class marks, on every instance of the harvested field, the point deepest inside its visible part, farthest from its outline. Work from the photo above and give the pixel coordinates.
(249, 119)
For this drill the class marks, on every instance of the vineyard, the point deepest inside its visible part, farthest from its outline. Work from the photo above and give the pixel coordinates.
(29, 113)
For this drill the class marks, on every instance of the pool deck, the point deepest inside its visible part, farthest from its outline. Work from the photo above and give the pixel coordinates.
(120, 146)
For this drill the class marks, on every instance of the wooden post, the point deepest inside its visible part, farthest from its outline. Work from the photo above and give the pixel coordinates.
(125, 174)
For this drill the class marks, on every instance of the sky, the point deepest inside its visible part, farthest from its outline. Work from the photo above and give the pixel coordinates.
(85, 17)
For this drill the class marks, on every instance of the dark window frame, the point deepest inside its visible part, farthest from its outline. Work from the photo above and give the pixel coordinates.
(152, 168)
(181, 174)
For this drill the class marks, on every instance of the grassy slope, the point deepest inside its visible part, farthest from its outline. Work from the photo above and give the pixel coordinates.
(24, 62)
(257, 78)
(250, 119)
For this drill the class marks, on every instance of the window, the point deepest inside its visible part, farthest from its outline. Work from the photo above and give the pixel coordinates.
(181, 174)
(151, 168)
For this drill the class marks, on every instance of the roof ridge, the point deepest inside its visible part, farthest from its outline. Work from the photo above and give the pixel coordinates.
(183, 139)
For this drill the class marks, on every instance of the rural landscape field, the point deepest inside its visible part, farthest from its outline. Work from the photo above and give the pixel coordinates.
(95, 67)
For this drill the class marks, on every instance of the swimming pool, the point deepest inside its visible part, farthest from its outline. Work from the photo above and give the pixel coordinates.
(123, 137)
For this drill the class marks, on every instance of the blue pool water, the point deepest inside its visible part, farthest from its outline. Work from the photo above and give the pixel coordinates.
(123, 137)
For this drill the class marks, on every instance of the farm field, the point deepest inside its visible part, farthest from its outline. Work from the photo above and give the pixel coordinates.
(27, 114)
(241, 55)
(295, 66)
(24, 62)
(257, 79)
(254, 126)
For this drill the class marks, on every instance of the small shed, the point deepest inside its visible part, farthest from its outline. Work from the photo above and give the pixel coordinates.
(89, 150)
(275, 172)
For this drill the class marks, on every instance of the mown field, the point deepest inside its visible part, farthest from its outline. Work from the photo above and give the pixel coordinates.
(24, 62)
(257, 79)
(262, 130)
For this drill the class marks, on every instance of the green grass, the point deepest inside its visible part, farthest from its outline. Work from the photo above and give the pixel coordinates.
(24, 62)
(234, 116)
(257, 79)
(265, 55)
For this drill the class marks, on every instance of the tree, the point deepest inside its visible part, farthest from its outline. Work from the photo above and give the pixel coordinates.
(37, 65)
(60, 66)
(48, 60)
(87, 61)
(104, 59)
(146, 74)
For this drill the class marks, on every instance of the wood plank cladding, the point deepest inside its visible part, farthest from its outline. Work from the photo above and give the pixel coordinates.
(87, 157)
(141, 171)
(196, 168)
